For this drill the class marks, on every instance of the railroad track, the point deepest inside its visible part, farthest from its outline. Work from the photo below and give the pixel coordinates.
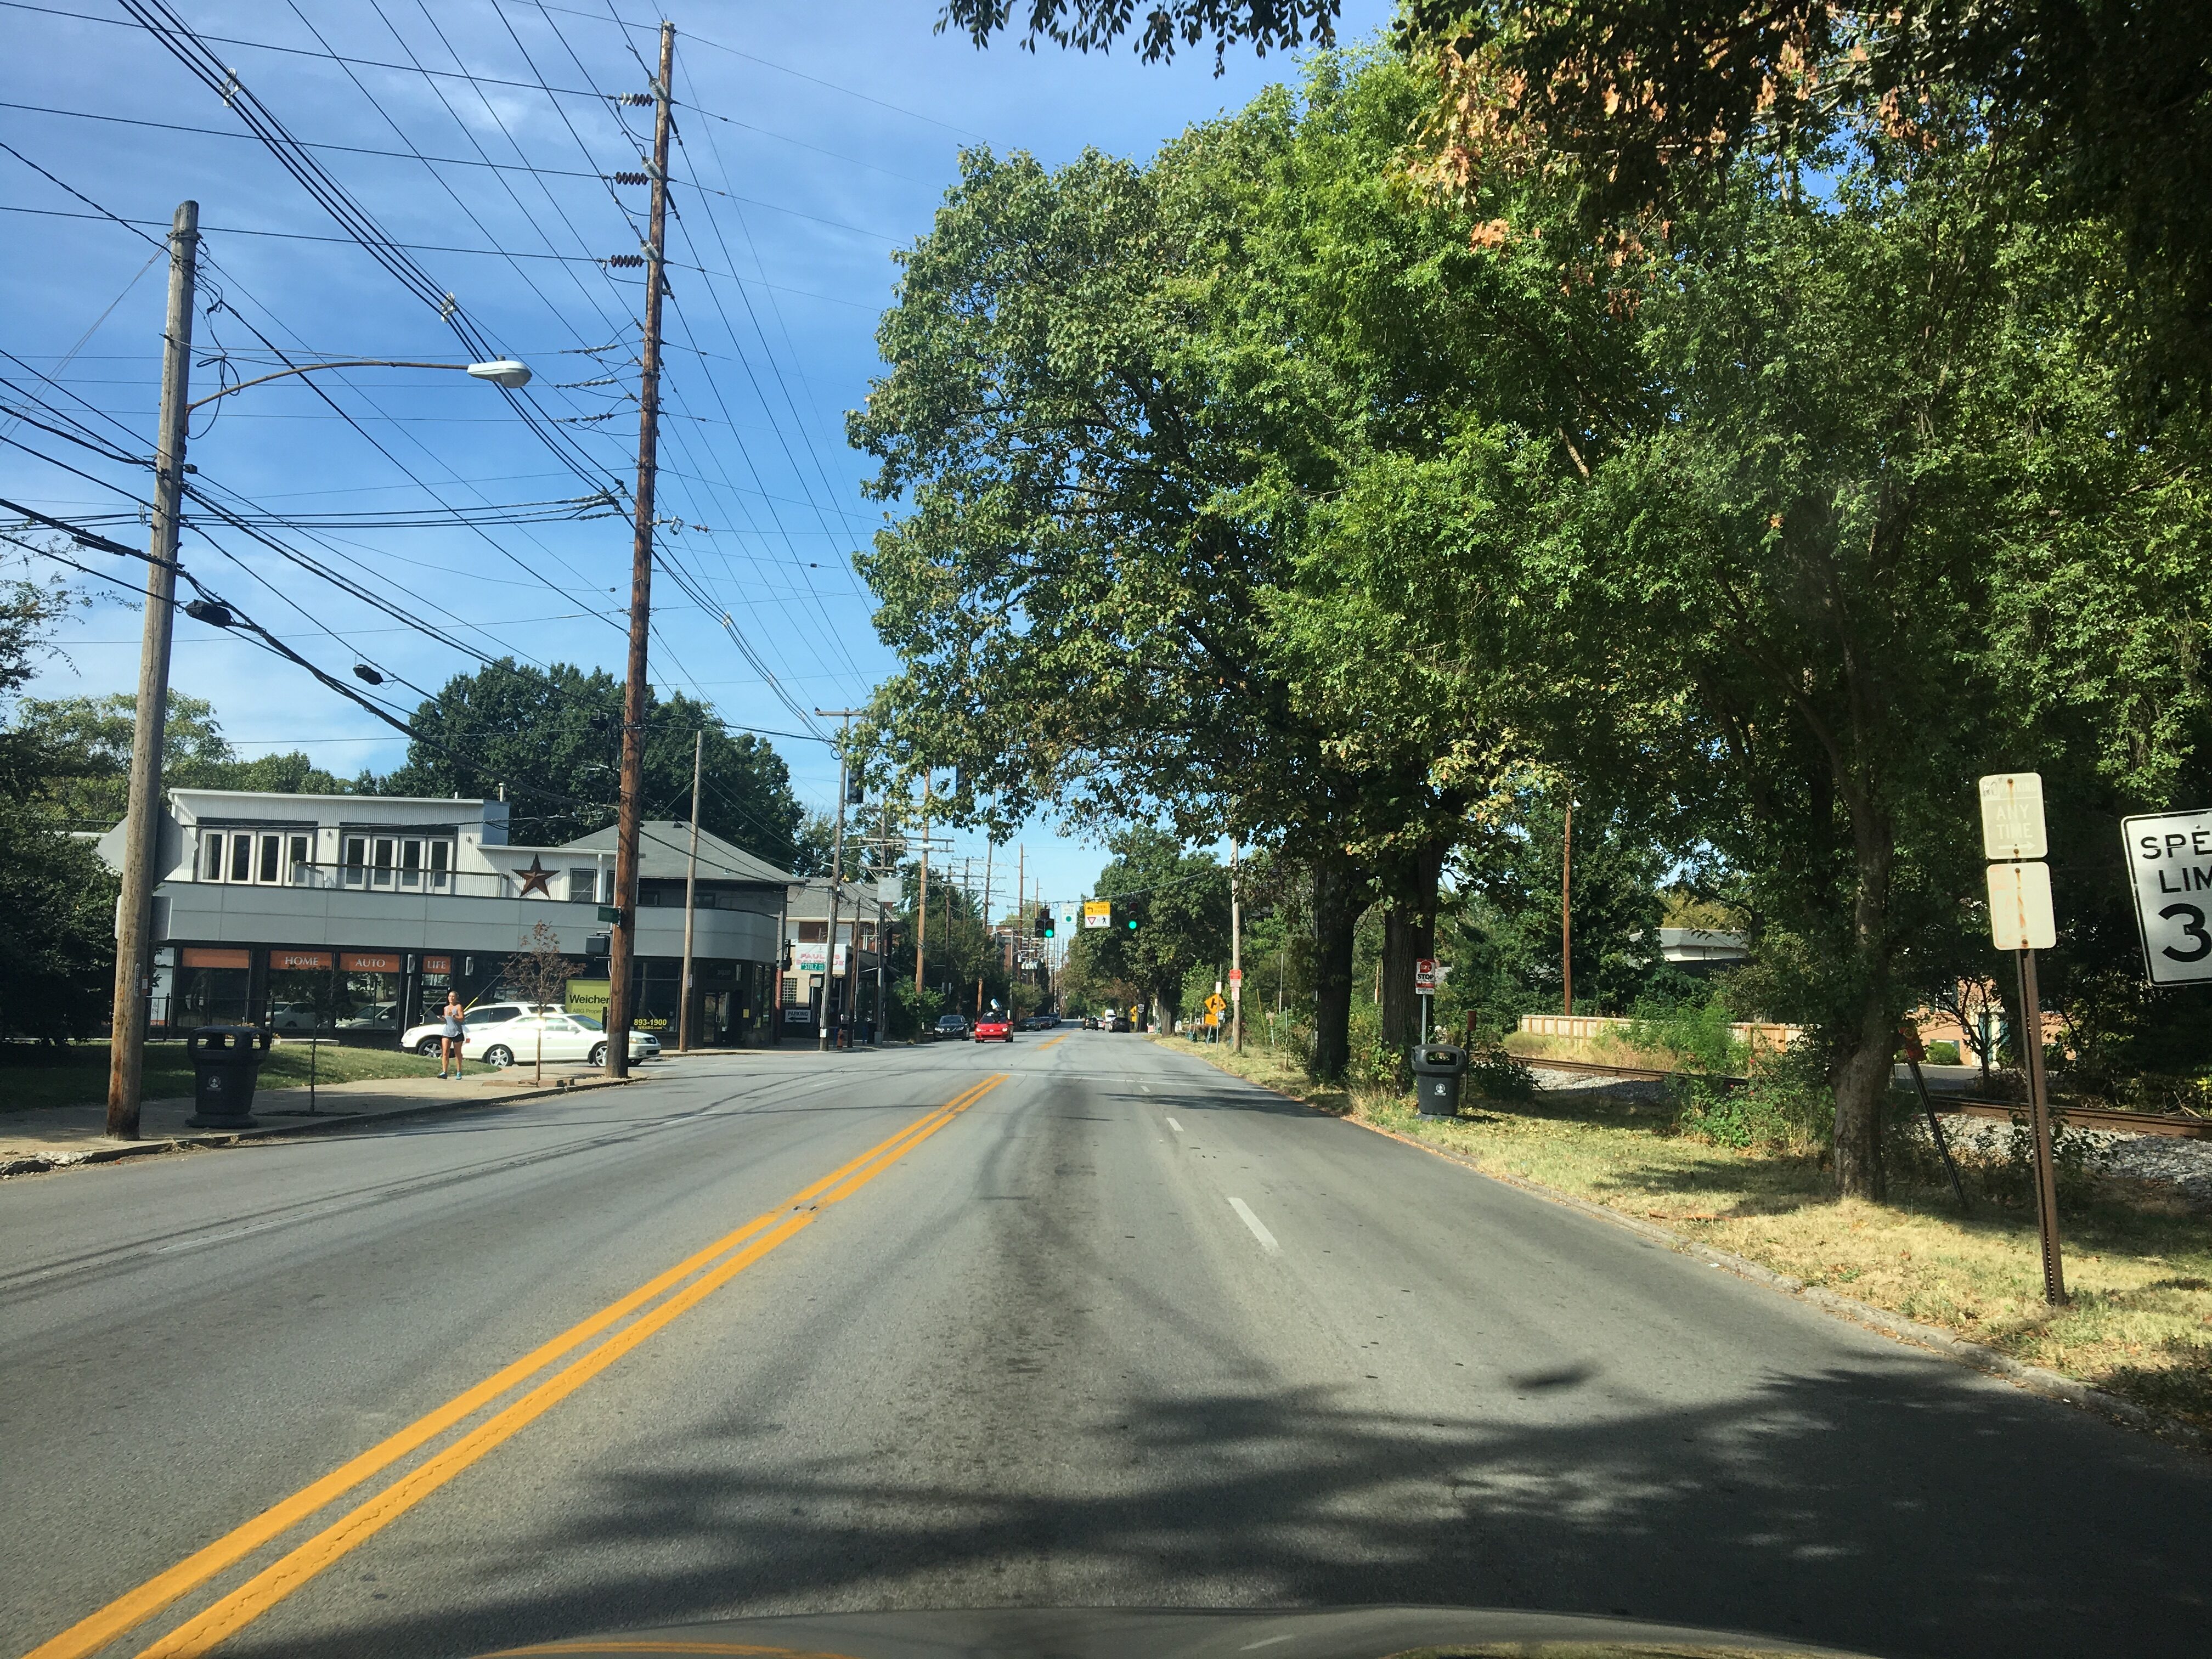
(2081, 1117)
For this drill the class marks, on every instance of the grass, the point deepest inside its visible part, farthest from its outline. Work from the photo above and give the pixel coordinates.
(77, 1075)
(2138, 1263)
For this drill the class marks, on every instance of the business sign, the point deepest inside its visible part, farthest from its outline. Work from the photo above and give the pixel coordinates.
(810, 958)
(1097, 913)
(588, 997)
(2020, 917)
(437, 964)
(2012, 816)
(2170, 862)
(370, 961)
(200, 956)
(285, 961)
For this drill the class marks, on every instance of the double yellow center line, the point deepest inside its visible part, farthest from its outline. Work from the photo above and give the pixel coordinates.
(721, 1261)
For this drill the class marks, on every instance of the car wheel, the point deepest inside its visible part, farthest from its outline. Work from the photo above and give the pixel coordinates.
(428, 1048)
(598, 1056)
(499, 1054)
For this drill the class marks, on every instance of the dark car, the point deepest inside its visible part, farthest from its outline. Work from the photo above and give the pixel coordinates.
(951, 1025)
(1119, 1022)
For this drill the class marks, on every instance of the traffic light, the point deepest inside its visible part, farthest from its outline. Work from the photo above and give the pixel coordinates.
(1125, 918)
(1044, 922)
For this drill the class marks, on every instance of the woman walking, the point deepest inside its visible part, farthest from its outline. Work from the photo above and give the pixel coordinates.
(449, 1039)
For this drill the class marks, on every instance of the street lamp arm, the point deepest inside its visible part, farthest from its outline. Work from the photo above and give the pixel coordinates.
(505, 372)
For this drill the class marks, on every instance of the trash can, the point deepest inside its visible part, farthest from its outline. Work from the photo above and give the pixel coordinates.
(1438, 1069)
(225, 1064)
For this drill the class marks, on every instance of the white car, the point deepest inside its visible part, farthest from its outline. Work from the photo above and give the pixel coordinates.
(527, 1038)
(423, 1039)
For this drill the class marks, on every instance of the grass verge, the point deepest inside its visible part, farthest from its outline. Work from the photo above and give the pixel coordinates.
(77, 1075)
(2138, 1264)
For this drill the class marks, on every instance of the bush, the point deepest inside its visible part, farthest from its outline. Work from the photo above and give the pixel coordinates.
(1697, 1037)
(1494, 1074)
(1783, 1106)
(1943, 1053)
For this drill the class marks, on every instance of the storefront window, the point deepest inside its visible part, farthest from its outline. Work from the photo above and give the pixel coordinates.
(212, 986)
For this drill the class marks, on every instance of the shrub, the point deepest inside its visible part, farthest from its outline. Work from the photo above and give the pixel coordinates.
(1494, 1074)
(1783, 1106)
(1943, 1053)
(1696, 1037)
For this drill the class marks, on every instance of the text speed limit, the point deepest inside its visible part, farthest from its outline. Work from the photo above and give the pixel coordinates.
(2170, 861)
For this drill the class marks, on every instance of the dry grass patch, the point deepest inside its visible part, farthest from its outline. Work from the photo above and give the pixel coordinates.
(2138, 1265)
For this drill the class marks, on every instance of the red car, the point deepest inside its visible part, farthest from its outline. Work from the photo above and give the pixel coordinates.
(994, 1027)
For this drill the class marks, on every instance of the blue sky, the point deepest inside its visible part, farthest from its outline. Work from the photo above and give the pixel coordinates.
(816, 139)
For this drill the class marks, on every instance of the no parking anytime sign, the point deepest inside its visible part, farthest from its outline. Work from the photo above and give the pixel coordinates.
(2170, 859)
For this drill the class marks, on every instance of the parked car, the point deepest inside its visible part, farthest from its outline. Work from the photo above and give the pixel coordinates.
(293, 1017)
(423, 1039)
(1119, 1022)
(951, 1025)
(517, 1042)
(995, 1026)
(377, 1016)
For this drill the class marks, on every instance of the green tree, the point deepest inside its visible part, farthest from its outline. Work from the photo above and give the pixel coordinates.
(1179, 901)
(1173, 440)
(553, 737)
(57, 899)
(89, 784)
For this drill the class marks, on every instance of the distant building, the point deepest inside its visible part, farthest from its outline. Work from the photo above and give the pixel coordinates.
(354, 914)
(1695, 949)
(815, 976)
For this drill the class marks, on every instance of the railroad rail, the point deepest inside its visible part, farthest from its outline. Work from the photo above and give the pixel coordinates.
(2081, 1117)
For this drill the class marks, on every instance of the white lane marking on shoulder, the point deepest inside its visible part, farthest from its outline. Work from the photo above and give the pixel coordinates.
(1176, 1126)
(1249, 1646)
(1259, 1231)
(1147, 1087)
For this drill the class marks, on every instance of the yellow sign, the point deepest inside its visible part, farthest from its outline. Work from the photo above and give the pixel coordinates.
(1097, 913)
(588, 997)
(1214, 1004)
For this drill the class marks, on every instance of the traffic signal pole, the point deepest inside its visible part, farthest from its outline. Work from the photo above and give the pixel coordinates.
(622, 949)
(142, 823)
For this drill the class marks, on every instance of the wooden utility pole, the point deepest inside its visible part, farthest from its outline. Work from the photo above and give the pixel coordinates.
(990, 937)
(142, 823)
(1566, 910)
(838, 875)
(1235, 956)
(690, 897)
(922, 899)
(622, 949)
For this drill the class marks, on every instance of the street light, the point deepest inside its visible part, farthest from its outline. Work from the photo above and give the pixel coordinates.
(140, 849)
(503, 371)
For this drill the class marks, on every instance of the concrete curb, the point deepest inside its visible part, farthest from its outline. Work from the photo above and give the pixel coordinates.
(1992, 1362)
(44, 1162)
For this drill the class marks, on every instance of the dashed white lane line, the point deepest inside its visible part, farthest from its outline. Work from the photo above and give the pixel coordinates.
(1176, 1126)
(1259, 1230)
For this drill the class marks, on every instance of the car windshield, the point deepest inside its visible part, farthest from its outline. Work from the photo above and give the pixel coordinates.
(1462, 560)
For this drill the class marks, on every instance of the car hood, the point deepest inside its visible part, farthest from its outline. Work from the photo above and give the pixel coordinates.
(1183, 1633)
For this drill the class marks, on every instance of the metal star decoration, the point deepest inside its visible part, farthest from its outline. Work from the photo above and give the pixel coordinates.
(534, 878)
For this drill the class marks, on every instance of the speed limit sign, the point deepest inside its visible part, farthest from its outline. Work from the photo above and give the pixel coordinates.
(2170, 860)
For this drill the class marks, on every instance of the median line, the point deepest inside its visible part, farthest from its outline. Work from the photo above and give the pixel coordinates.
(97, 1630)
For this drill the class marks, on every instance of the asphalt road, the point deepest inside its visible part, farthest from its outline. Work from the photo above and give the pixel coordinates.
(1120, 1331)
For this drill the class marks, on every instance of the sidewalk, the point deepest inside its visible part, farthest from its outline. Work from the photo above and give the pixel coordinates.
(59, 1137)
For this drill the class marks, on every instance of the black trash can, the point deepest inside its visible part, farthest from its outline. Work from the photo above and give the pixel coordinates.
(1438, 1069)
(225, 1064)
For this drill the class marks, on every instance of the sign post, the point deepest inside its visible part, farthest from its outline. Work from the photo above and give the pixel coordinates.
(2021, 920)
(1428, 976)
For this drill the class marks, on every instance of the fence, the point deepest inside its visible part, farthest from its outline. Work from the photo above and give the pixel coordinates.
(1758, 1036)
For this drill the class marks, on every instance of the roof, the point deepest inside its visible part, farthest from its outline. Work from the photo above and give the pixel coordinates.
(664, 851)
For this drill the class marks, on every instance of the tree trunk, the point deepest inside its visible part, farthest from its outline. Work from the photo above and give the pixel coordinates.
(1867, 1046)
(1336, 906)
(1409, 933)
(1860, 1080)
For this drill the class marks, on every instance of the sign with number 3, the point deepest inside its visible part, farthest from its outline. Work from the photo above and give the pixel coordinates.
(2170, 860)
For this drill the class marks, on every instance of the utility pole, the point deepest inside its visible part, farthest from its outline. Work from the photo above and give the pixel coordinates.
(1566, 910)
(1235, 956)
(883, 932)
(690, 897)
(922, 899)
(990, 937)
(622, 949)
(838, 875)
(142, 831)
